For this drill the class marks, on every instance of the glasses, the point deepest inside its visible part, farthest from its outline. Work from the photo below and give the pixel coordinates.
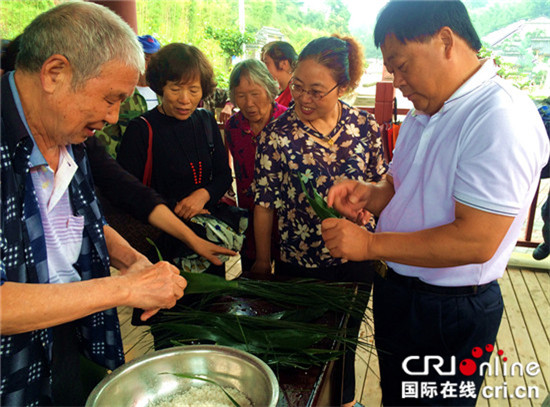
(298, 90)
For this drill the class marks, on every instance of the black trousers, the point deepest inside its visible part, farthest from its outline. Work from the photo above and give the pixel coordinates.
(545, 214)
(410, 321)
(356, 272)
(73, 376)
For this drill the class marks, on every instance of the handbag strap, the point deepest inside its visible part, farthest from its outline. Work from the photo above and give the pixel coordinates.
(206, 122)
(148, 171)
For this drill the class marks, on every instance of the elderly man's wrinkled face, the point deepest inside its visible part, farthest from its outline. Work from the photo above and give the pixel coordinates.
(418, 70)
(82, 111)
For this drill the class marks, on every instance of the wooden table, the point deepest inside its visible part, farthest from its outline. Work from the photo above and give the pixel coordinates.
(299, 388)
(312, 387)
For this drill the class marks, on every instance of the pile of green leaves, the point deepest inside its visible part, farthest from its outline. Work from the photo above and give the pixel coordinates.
(292, 337)
(276, 340)
(308, 293)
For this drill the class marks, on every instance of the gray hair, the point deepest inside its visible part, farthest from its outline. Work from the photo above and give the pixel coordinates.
(87, 34)
(256, 72)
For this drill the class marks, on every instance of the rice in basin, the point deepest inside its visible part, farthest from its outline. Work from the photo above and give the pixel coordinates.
(207, 395)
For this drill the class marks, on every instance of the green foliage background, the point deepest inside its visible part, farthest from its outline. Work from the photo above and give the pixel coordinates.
(212, 25)
(16, 14)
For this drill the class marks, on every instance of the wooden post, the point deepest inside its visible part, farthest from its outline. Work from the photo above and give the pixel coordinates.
(124, 8)
(383, 102)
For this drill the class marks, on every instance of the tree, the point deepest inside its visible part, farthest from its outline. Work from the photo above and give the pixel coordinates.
(17, 14)
(230, 39)
(365, 37)
(339, 15)
(259, 13)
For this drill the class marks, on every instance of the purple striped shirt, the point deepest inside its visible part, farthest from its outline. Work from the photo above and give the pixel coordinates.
(62, 230)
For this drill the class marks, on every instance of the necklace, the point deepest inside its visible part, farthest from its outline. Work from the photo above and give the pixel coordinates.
(329, 139)
(197, 170)
(196, 179)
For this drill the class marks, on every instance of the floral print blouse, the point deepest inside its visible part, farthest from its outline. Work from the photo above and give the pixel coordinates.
(285, 150)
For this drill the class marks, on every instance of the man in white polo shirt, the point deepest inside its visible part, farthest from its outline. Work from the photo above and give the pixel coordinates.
(464, 172)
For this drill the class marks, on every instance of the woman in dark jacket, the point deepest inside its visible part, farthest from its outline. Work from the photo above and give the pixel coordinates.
(189, 161)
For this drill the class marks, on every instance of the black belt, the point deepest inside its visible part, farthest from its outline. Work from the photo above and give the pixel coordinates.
(417, 284)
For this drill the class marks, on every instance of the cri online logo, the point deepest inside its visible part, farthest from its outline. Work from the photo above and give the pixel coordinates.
(468, 366)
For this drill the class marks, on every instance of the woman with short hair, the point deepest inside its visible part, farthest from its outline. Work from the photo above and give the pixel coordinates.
(189, 161)
(253, 91)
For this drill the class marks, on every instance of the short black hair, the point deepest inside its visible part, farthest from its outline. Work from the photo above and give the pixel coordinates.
(417, 20)
(280, 51)
(180, 62)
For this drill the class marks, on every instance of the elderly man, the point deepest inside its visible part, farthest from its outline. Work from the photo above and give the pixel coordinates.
(464, 172)
(76, 64)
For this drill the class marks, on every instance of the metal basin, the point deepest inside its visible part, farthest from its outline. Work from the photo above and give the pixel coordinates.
(140, 382)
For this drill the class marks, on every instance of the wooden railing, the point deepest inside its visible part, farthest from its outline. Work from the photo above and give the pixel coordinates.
(526, 241)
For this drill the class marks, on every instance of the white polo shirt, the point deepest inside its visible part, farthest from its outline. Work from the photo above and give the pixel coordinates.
(485, 148)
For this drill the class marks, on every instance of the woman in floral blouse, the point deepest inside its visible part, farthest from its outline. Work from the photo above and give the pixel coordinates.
(323, 140)
(253, 91)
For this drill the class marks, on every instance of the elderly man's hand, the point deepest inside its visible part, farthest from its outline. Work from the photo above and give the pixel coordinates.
(346, 240)
(154, 287)
(142, 263)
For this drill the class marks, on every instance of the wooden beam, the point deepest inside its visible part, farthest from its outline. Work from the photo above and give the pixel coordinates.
(124, 8)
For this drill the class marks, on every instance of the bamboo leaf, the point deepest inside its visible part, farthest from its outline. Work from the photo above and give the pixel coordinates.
(156, 248)
(317, 202)
(203, 283)
(242, 331)
(302, 315)
(292, 337)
